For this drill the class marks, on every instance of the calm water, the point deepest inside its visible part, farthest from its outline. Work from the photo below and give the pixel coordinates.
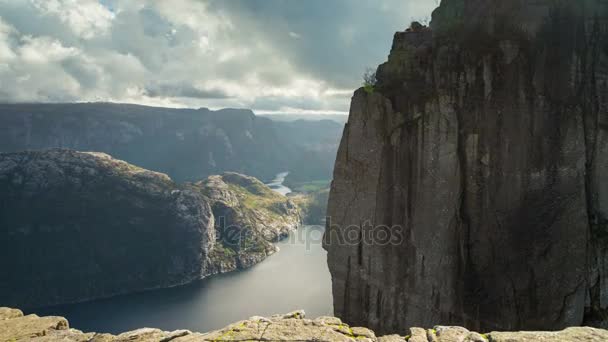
(294, 278)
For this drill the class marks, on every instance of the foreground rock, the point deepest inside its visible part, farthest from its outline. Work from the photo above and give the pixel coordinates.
(483, 151)
(76, 226)
(289, 327)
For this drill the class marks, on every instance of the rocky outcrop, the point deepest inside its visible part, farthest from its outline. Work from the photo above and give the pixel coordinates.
(186, 144)
(480, 153)
(290, 327)
(76, 226)
(249, 217)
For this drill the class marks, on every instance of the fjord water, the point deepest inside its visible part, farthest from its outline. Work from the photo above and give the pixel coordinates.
(296, 277)
(277, 184)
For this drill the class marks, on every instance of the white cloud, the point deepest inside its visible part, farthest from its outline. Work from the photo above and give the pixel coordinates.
(43, 50)
(6, 52)
(87, 18)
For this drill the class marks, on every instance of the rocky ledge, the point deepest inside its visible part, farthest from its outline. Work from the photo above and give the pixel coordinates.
(14, 326)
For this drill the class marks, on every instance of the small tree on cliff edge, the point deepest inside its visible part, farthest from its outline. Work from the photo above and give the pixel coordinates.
(369, 80)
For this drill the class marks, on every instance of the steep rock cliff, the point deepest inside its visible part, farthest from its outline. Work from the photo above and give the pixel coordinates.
(76, 226)
(481, 151)
(249, 217)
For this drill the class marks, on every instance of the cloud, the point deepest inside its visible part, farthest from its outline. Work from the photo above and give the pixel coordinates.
(184, 90)
(268, 55)
(86, 18)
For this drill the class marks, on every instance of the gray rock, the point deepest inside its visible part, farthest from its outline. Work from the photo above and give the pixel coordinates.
(576, 334)
(482, 152)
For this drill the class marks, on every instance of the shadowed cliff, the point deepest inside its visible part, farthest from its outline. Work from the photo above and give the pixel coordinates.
(482, 150)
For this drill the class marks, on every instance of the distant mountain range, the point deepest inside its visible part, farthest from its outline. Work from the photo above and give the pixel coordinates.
(339, 118)
(186, 144)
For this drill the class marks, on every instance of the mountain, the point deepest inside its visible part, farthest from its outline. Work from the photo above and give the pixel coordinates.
(481, 153)
(75, 226)
(186, 144)
(339, 118)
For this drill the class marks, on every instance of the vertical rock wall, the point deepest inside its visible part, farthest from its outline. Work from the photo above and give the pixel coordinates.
(483, 150)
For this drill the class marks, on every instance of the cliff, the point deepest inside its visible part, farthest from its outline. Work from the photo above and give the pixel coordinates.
(76, 226)
(186, 144)
(249, 217)
(480, 153)
(290, 327)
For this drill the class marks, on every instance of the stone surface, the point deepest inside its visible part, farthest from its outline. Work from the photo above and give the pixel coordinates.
(482, 152)
(567, 335)
(8, 313)
(30, 326)
(289, 327)
(82, 225)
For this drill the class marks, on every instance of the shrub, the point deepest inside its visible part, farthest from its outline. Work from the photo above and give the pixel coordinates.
(369, 80)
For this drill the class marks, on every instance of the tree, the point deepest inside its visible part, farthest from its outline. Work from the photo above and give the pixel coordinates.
(369, 80)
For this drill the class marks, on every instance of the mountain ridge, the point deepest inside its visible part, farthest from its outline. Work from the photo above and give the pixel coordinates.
(187, 144)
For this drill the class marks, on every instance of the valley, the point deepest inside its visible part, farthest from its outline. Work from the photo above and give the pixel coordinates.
(300, 280)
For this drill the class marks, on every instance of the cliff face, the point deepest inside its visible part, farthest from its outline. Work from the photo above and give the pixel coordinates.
(481, 150)
(186, 144)
(249, 217)
(76, 226)
(83, 225)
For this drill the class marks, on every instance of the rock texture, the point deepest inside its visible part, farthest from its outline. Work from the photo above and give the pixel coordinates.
(249, 216)
(290, 327)
(76, 226)
(482, 150)
(186, 144)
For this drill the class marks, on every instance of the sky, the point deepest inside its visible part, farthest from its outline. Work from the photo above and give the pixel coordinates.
(272, 56)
